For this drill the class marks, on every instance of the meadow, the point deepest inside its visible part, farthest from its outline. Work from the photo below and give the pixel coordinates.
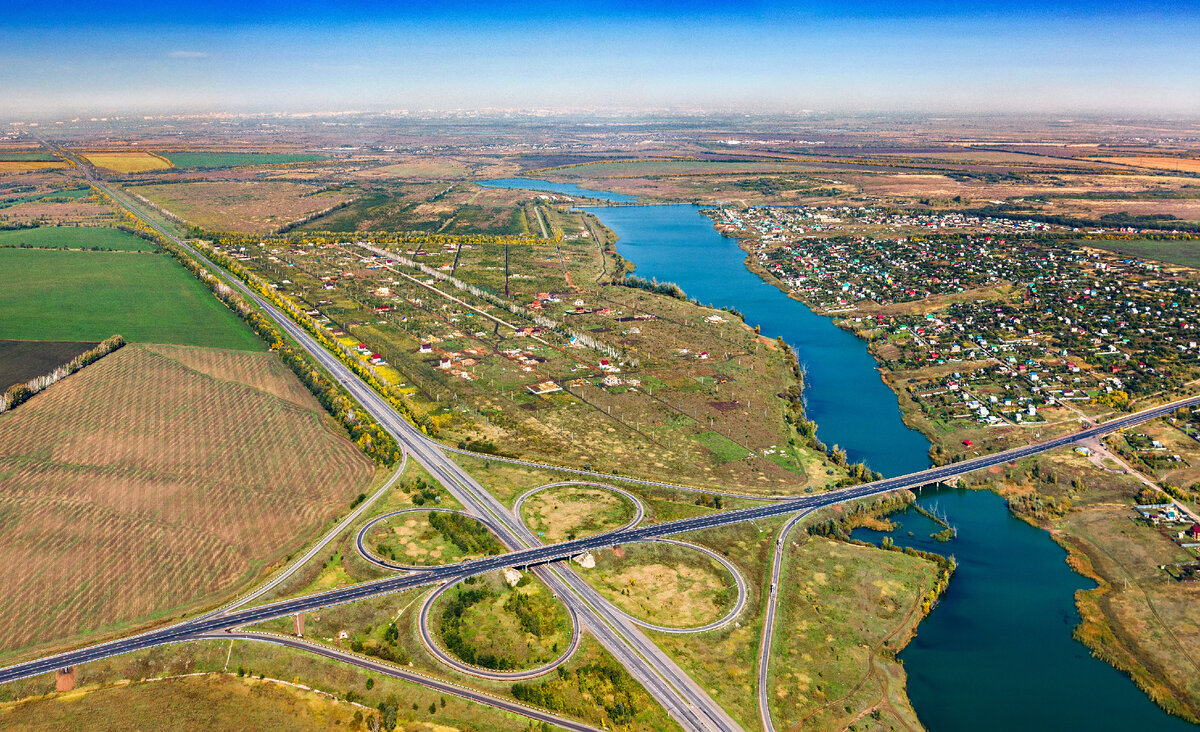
(75, 237)
(240, 206)
(123, 505)
(200, 159)
(663, 584)
(1186, 253)
(56, 295)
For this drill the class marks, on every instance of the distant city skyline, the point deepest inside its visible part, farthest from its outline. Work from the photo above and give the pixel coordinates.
(131, 57)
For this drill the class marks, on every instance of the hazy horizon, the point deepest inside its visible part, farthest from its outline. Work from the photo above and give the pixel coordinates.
(1017, 57)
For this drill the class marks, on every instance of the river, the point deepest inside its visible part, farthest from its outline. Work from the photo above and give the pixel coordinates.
(997, 652)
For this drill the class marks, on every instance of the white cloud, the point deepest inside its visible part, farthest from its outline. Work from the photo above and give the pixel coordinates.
(187, 54)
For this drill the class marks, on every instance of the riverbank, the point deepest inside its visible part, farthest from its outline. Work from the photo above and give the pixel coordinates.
(1134, 618)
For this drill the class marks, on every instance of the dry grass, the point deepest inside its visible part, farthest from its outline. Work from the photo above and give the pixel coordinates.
(557, 514)
(140, 487)
(240, 206)
(21, 166)
(1187, 165)
(128, 162)
(663, 584)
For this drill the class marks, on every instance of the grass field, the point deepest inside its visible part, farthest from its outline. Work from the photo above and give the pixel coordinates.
(54, 295)
(75, 237)
(235, 159)
(1185, 253)
(205, 702)
(570, 512)
(497, 626)
(128, 162)
(21, 361)
(844, 610)
(146, 484)
(664, 584)
(240, 206)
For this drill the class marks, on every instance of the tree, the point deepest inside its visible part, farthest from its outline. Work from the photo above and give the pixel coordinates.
(433, 707)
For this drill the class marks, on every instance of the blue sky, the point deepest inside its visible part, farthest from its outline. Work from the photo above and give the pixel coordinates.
(924, 56)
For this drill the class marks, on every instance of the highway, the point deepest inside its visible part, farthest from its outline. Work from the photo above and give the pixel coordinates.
(668, 684)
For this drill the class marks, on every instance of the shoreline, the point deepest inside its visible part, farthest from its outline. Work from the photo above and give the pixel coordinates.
(1094, 630)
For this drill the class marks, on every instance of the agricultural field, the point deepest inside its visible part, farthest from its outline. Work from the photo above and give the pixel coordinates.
(663, 584)
(75, 237)
(255, 207)
(844, 611)
(29, 156)
(127, 162)
(574, 512)
(1185, 253)
(200, 159)
(21, 361)
(24, 166)
(433, 207)
(1183, 165)
(57, 295)
(136, 503)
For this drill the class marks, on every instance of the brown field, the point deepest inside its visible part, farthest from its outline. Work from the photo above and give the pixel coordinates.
(128, 162)
(20, 166)
(1186, 165)
(418, 167)
(249, 207)
(557, 514)
(144, 485)
(1181, 208)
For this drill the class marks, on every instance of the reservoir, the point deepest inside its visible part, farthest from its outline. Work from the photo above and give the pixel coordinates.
(997, 652)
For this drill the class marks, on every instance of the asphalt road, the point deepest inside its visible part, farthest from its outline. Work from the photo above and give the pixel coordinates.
(768, 634)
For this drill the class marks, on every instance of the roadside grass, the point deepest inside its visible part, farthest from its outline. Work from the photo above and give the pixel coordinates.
(127, 162)
(56, 295)
(149, 703)
(201, 159)
(568, 512)
(412, 539)
(21, 361)
(178, 494)
(507, 628)
(75, 237)
(844, 612)
(663, 584)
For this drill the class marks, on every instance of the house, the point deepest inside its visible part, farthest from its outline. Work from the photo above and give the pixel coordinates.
(426, 348)
(544, 387)
(611, 380)
(1194, 532)
(377, 359)
(445, 363)
(605, 365)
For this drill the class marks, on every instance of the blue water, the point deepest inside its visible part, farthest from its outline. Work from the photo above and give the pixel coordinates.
(997, 652)
(844, 393)
(567, 189)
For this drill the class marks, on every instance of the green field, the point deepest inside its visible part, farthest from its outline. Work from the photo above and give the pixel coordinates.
(28, 157)
(70, 194)
(724, 449)
(233, 160)
(1186, 253)
(75, 237)
(82, 296)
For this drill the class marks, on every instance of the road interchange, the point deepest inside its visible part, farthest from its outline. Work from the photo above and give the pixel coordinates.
(690, 706)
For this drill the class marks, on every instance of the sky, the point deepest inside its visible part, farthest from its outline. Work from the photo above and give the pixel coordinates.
(923, 56)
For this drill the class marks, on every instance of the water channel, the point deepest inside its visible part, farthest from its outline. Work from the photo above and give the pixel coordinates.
(997, 652)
